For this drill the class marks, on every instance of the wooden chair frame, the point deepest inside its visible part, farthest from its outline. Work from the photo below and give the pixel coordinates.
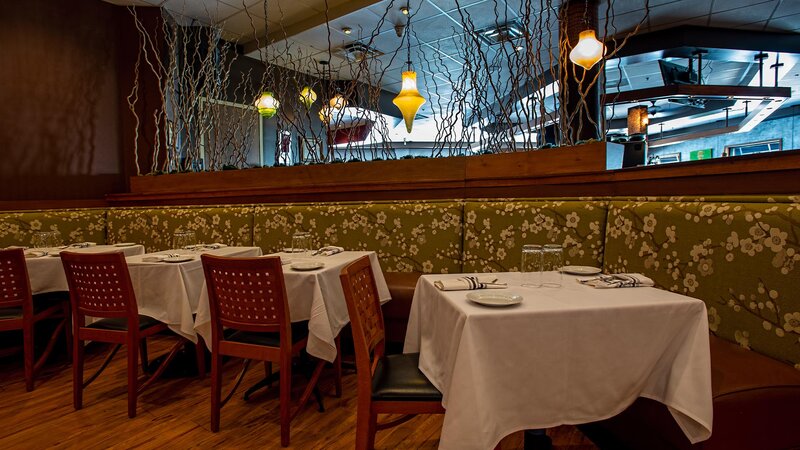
(15, 292)
(366, 320)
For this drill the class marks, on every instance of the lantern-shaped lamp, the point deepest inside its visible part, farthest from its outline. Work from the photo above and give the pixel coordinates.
(588, 51)
(308, 96)
(409, 100)
(336, 104)
(267, 105)
(638, 120)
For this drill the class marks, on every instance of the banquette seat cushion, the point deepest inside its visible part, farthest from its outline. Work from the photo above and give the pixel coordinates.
(75, 225)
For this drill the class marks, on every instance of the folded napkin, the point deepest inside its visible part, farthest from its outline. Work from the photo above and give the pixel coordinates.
(328, 251)
(618, 280)
(35, 254)
(468, 283)
(81, 245)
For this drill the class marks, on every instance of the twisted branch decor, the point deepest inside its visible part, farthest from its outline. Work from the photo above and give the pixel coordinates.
(486, 97)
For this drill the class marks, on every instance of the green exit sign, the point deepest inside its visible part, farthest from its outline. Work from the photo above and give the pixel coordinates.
(706, 153)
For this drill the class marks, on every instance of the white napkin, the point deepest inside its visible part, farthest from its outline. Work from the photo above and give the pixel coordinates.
(80, 245)
(468, 283)
(618, 280)
(214, 246)
(35, 254)
(328, 251)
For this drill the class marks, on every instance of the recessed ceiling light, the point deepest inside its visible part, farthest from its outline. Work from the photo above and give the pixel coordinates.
(347, 30)
(404, 10)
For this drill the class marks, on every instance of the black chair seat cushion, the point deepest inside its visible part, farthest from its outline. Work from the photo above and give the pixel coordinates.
(121, 323)
(299, 332)
(397, 378)
(40, 303)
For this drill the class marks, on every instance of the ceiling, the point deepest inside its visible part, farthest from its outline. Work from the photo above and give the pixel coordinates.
(302, 38)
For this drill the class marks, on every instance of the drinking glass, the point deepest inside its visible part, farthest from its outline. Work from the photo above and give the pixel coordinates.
(301, 242)
(531, 266)
(552, 260)
(54, 239)
(40, 239)
(183, 239)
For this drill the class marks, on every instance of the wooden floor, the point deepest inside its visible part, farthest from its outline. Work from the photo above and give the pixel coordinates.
(174, 413)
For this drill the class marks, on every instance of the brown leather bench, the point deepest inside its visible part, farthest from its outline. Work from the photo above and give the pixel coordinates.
(756, 406)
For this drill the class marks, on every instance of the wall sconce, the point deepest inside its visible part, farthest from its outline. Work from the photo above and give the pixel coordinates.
(588, 51)
(638, 120)
(267, 105)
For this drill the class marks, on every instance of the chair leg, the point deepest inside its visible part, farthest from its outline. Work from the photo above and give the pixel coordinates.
(337, 368)
(285, 398)
(365, 426)
(216, 390)
(268, 372)
(143, 354)
(67, 326)
(373, 423)
(133, 376)
(200, 357)
(77, 371)
(28, 356)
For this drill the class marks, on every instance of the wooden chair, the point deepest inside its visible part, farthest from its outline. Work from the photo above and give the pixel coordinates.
(100, 287)
(248, 300)
(19, 310)
(387, 384)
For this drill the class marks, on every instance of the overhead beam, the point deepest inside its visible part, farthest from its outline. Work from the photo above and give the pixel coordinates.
(286, 31)
(699, 91)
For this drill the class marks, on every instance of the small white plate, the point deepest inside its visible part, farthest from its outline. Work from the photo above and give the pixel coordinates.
(581, 270)
(494, 299)
(55, 254)
(292, 250)
(178, 259)
(307, 265)
(125, 244)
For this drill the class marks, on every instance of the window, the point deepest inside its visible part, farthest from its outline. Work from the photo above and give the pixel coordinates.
(774, 145)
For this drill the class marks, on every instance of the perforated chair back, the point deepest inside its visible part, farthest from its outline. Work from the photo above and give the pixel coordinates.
(15, 287)
(99, 285)
(364, 308)
(247, 294)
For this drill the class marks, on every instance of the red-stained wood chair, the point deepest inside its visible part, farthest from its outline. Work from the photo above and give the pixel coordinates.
(100, 287)
(387, 384)
(19, 310)
(250, 320)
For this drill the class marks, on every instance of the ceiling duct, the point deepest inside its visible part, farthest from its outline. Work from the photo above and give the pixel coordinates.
(358, 51)
(500, 34)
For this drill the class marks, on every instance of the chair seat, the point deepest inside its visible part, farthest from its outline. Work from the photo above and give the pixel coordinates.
(299, 332)
(398, 378)
(40, 303)
(121, 323)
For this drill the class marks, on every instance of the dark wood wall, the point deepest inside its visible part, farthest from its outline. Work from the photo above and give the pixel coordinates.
(64, 75)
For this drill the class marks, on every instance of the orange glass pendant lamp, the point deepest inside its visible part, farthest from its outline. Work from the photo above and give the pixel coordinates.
(409, 100)
(267, 105)
(588, 51)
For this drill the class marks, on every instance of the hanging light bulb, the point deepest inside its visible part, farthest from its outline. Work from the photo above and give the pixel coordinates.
(308, 96)
(409, 100)
(267, 105)
(336, 104)
(588, 51)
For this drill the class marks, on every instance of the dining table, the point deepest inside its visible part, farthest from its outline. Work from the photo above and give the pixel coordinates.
(313, 294)
(46, 273)
(561, 355)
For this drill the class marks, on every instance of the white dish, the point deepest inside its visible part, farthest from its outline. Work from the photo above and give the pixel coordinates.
(307, 265)
(494, 299)
(178, 259)
(125, 244)
(292, 250)
(581, 270)
(55, 254)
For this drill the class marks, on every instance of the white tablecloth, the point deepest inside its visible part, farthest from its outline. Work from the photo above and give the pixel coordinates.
(565, 355)
(47, 273)
(170, 292)
(316, 296)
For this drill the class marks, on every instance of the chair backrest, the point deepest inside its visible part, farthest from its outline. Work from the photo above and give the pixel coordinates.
(99, 285)
(15, 287)
(247, 294)
(364, 308)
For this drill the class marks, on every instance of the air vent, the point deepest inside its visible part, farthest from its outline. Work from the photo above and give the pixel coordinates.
(358, 52)
(500, 34)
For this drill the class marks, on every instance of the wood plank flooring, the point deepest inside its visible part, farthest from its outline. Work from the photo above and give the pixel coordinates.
(174, 413)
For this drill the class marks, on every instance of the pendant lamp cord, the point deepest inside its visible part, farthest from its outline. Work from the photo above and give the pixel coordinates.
(408, 35)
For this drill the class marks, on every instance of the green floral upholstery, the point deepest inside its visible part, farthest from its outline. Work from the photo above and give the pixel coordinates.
(742, 259)
(495, 231)
(75, 225)
(154, 227)
(408, 236)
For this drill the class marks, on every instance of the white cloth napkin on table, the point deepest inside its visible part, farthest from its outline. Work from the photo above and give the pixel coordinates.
(468, 283)
(328, 251)
(618, 280)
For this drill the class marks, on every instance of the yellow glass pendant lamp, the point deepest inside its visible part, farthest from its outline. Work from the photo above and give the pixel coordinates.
(267, 104)
(308, 96)
(588, 51)
(409, 100)
(336, 103)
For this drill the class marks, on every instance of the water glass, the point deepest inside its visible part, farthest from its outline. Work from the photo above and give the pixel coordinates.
(183, 239)
(301, 242)
(552, 261)
(54, 239)
(531, 266)
(40, 239)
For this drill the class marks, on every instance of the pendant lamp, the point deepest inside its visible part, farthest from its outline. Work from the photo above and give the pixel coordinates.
(267, 105)
(308, 96)
(588, 51)
(409, 100)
